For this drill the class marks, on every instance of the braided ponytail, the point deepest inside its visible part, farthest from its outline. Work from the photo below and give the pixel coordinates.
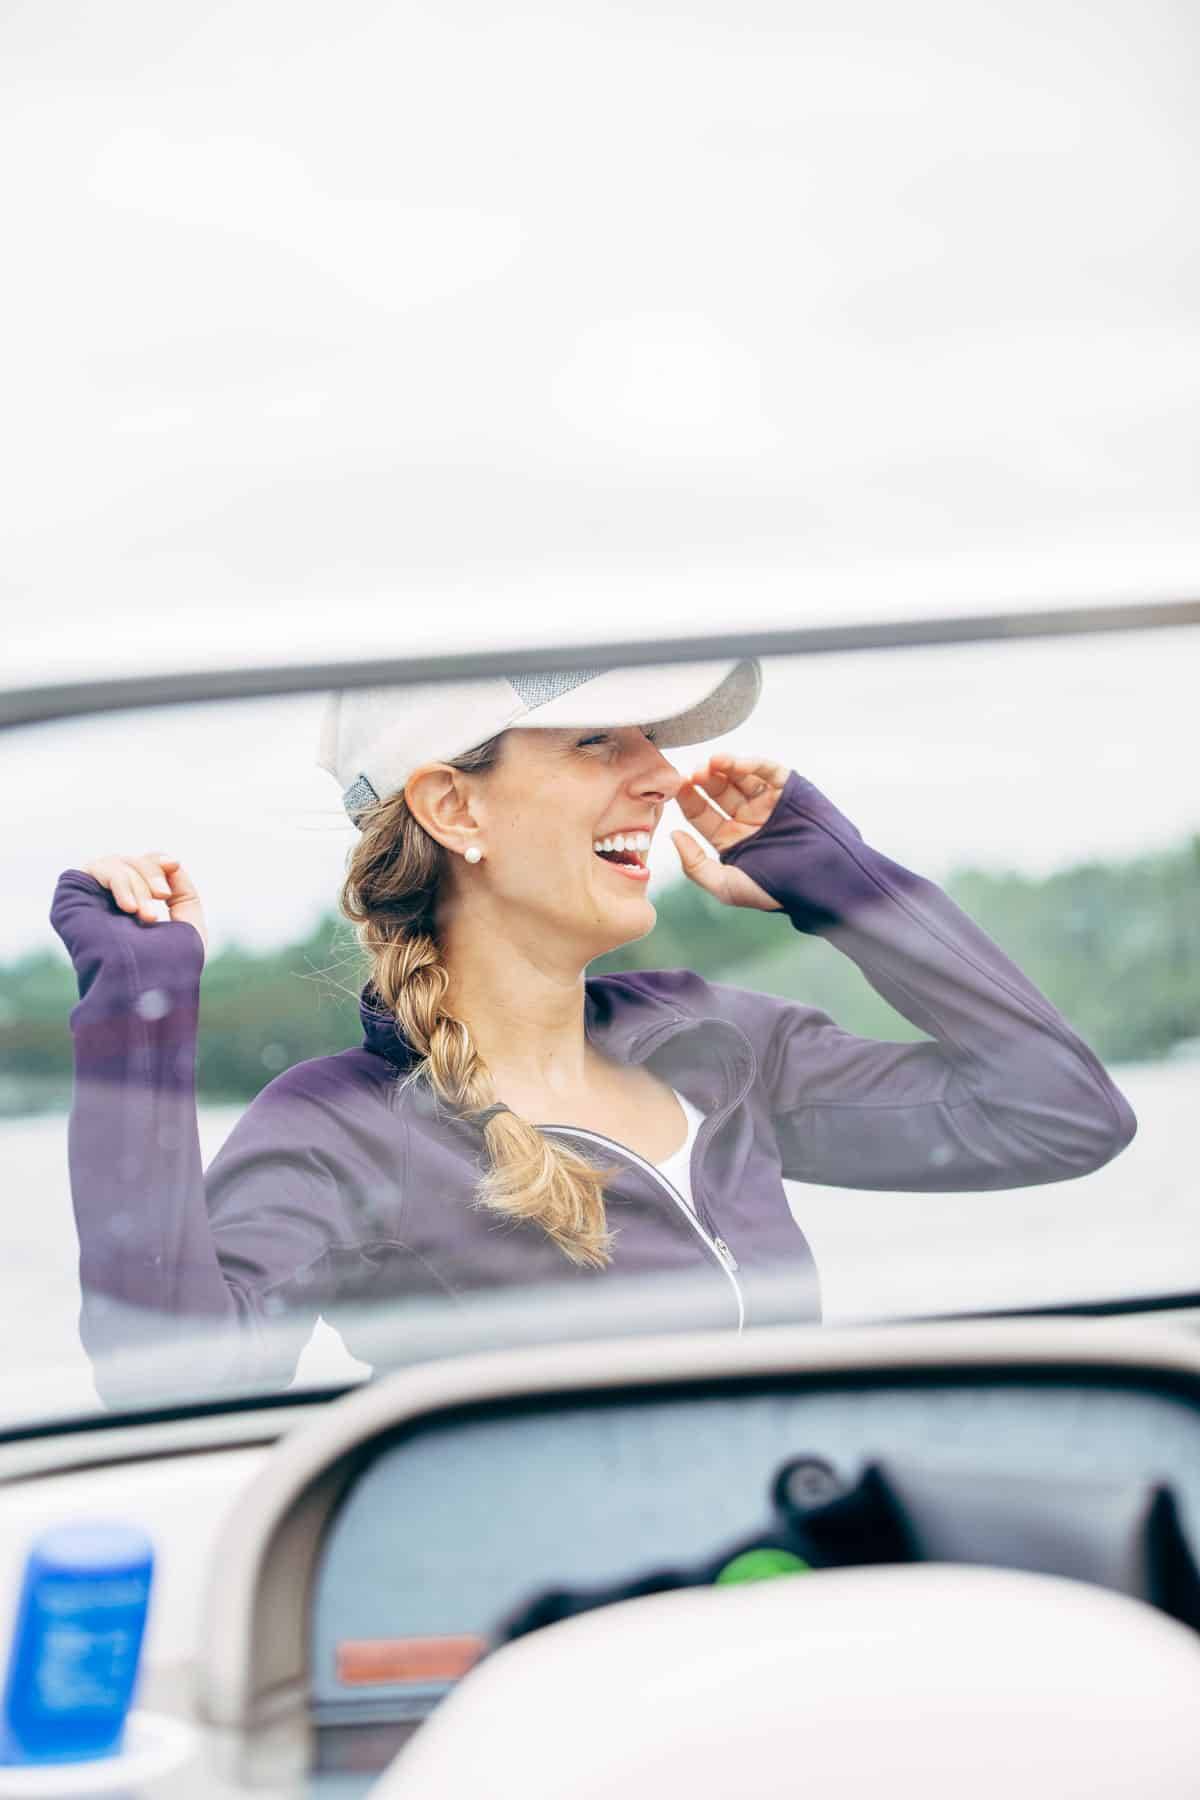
(390, 896)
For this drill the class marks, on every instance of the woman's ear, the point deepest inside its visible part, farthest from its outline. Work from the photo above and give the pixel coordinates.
(439, 800)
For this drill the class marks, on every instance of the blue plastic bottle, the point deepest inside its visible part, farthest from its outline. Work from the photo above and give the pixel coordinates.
(78, 1639)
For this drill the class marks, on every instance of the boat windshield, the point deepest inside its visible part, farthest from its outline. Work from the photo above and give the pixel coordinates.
(843, 987)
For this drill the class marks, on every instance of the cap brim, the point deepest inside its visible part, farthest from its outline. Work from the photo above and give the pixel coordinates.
(683, 703)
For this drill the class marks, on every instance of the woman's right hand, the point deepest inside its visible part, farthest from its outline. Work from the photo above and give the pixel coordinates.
(141, 884)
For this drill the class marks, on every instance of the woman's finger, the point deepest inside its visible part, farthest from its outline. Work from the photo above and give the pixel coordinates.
(745, 778)
(753, 777)
(697, 865)
(132, 881)
(698, 812)
(120, 887)
(749, 789)
(147, 904)
(150, 868)
(184, 902)
(182, 889)
(714, 779)
(181, 885)
(166, 863)
(771, 774)
(746, 787)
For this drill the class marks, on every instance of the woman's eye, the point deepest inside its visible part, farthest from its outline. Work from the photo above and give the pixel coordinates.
(606, 737)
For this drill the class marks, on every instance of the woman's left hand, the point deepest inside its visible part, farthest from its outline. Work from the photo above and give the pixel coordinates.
(726, 800)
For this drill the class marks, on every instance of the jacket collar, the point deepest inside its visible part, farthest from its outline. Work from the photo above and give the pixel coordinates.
(381, 1033)
(629, 1017)
(623, 1015)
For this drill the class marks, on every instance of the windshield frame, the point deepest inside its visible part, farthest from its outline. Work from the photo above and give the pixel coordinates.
(29, 705)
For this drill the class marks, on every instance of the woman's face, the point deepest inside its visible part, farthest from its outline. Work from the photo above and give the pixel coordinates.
(545, 812)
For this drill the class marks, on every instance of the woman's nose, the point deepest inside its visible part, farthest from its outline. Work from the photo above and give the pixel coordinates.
(657, 779)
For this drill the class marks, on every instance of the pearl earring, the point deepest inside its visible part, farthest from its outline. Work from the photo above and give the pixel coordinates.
(472, 854)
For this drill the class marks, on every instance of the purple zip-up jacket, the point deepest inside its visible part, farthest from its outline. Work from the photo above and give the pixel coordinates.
(341, 1184)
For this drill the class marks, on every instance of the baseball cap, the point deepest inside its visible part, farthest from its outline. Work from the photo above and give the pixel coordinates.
(372, 739)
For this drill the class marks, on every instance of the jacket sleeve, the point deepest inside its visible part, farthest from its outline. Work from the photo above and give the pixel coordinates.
(1001, 1094)
(156, 1250)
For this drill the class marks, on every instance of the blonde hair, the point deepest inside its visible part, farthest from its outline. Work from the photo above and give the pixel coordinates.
(390, 895)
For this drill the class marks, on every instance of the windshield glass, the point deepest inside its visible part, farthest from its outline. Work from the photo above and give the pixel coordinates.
(868, 1037)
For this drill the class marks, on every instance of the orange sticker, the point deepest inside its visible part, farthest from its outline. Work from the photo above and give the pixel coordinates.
(371, 1660)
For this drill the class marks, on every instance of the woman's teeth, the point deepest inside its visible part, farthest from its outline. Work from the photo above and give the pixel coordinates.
(630, 843)
(633, 840)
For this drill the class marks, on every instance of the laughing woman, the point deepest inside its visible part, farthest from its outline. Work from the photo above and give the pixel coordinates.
(506, 1120)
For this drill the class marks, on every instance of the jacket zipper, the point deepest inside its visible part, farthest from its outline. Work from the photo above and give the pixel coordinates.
(720, 1250)
(643, 1050)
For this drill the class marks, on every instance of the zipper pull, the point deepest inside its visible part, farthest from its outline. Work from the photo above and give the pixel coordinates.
(726, 1254)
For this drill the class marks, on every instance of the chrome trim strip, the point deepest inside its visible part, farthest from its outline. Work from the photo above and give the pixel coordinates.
(30, 705)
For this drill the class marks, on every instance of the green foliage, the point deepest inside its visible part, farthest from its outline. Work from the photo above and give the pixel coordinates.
(36, 994)
(1115, 945)
(261, 1014)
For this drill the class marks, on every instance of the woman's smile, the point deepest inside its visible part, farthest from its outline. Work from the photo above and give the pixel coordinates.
(626, 852)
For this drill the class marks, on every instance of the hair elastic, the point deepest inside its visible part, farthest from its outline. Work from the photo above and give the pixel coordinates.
(489, 1112)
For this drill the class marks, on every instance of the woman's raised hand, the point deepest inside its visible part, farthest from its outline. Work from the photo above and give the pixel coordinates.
(726, 800)
(142, 885)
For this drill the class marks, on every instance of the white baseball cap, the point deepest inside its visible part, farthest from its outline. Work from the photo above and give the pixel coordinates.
(372, 739)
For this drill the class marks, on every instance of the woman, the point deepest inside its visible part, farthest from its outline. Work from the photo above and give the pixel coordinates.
(506, 1120)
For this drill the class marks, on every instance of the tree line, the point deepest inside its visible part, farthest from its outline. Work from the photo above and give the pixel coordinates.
(1116, 946)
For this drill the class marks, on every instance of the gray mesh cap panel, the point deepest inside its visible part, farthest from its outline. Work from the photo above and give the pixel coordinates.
(539, 690)
(359, 796)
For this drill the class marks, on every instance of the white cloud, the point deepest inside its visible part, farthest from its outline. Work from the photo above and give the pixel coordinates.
(664, 386)
(470, 323)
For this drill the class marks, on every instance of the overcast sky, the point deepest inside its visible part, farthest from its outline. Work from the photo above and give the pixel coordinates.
(380, 325)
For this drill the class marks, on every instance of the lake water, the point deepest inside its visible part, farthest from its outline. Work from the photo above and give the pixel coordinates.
(1133, 1227)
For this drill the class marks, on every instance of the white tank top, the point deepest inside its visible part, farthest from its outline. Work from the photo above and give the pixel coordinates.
(678, 1167)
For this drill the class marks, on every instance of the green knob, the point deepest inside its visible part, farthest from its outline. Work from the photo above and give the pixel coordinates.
(761, 1565)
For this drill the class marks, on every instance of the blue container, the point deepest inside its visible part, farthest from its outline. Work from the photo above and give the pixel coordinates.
(78, 1639)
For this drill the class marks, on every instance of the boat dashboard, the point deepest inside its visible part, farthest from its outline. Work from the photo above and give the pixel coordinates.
(389, 1549)
(409, 1542)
